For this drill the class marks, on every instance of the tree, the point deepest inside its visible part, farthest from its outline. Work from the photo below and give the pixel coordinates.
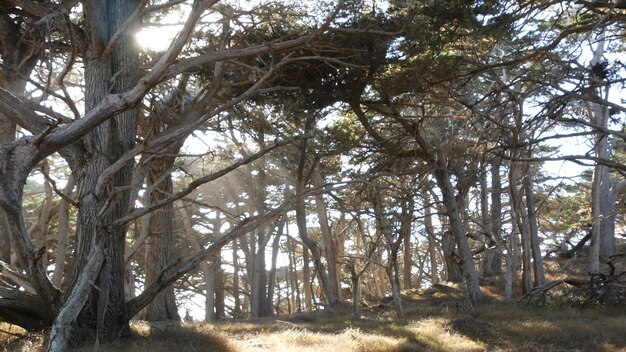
(100, 147)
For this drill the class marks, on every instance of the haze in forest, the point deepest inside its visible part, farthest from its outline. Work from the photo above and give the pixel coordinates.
(340, 175)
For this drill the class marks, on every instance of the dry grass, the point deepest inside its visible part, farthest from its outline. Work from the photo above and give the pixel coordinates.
(434, 321)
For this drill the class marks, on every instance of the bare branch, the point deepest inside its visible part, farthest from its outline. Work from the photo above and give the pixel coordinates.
(200, 181)
(62, 327)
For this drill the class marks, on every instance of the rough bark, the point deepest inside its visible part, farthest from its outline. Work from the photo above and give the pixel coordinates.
(24, 309)
(19, 57)
(104, 316)
(159, 249)
(62, 327)
(452, 260)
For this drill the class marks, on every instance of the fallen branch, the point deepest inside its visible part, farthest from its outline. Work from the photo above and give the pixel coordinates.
(16, 277)
(62, 327)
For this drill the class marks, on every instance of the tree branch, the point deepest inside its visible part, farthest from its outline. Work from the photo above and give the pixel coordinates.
(61, 329)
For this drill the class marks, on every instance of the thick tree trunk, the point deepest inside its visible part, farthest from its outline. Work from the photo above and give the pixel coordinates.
(159, 250)
(21, 57)
(452, 260)
(104, 317)
(472, 286)
(315, 253)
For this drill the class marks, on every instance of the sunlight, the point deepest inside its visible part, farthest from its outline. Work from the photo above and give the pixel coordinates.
(156, 38)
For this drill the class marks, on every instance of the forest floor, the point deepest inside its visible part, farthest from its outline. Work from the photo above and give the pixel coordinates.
(434, 320)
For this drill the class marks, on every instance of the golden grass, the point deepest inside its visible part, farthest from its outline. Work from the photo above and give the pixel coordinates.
(434, 324)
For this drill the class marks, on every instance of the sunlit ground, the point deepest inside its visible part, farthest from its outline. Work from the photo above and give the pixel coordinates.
(433, 322)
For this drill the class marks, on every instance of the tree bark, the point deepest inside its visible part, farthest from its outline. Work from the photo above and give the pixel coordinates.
(19, 58)
(538, 271)
(602, 194)
(472, 286)
(520, 217)
(218, 275)
(62, 327)
(104, 316)
(330, 247)
(205, 266)
(432, 246)
(495, 224)
(62, 235)
(159, 249)
(300, 208)
(271, 281)
(306, 279)
(236, 289)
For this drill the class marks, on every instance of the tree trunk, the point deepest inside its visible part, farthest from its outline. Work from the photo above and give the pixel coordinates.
(62, 235)
(452, 259)
(407, 263)
(472, 286)
(519, 216)
(295, 285)
(354, 280)
(508, 276)
(495, 228)
(432, 247)
(104, 315)
(20, 56)
(271, 281)
(160, 242)
(534, 233)
(306, 279)
(393, 273)
(218, 277)
(330, 250)
(236, 298)
(487, 256)
(316, 254)
(602, 195)
(205, 267)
